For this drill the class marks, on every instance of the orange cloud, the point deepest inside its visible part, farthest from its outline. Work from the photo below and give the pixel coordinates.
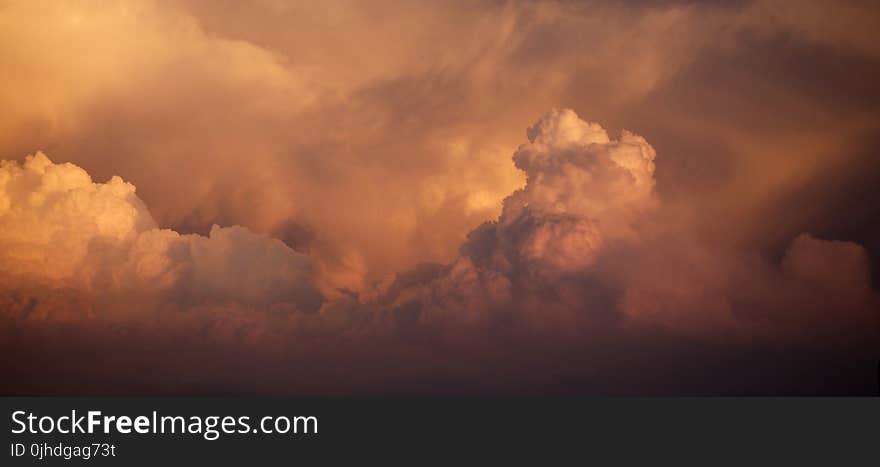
(363, 177)
(63, 230)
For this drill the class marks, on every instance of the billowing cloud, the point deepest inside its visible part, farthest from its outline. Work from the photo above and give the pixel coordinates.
(587, 242)
(62, 230)
(581, 259)
(582, 190)
(364, 175)
(374, 162)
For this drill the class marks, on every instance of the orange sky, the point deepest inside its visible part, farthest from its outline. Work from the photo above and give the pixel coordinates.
(717, 156)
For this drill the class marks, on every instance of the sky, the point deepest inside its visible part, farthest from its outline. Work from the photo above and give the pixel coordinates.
(482, 197)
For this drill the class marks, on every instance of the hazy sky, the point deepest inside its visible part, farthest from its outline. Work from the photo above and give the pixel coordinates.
(456, 195)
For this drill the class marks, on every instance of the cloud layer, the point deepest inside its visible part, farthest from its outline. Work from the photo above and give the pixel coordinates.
(375, 234)
(582, 261)
(374, 162)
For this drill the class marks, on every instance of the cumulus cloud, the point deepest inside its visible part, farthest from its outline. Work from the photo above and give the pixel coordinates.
(389, 181)
(388, 160)
(581, 259)
(582, 189)
(62, 230)
(586, 247)
(54, 218)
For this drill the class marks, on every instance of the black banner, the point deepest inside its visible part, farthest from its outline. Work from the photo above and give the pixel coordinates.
(242, 431)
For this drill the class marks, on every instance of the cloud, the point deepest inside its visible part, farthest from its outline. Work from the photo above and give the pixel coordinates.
(587, 247)
(289, 122)
(583, 260)
(385, 176)
(54, 217)
(61, 229)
